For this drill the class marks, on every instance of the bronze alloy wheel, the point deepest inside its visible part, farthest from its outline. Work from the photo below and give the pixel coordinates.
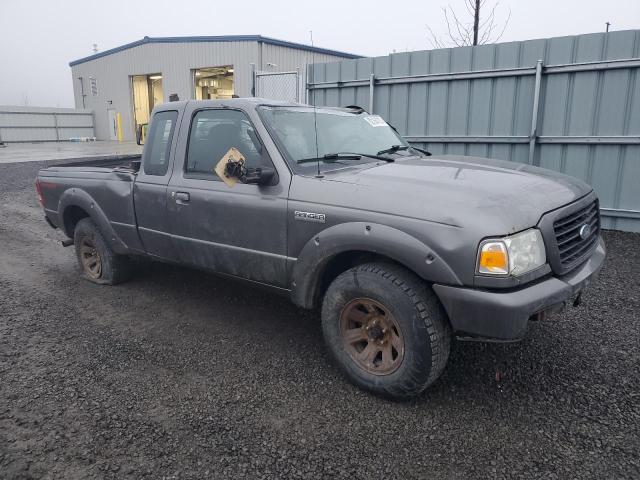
(371, 336)
(91, 261)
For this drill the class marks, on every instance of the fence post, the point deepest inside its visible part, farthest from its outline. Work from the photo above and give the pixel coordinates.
(253, 79)
(533, 137)
(372, 82)
(311, 92)
(55, 126)
(307, 91)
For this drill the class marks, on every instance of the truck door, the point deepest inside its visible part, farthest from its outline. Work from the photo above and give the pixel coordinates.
(239, 230)
(150, 187)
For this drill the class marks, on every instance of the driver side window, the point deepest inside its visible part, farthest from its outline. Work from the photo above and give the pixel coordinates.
(213, 133)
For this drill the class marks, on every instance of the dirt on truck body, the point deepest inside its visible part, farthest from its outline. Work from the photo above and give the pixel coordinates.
(400, 250)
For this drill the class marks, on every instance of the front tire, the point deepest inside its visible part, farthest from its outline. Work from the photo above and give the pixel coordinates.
(98, 263)
(386, 329)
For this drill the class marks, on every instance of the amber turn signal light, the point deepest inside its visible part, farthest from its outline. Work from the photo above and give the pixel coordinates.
(493, 258)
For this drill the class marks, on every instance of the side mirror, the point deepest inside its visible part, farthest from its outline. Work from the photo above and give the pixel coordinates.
(259, 176)
(140, 134)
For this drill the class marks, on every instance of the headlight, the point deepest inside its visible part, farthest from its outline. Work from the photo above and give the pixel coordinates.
(513, 255)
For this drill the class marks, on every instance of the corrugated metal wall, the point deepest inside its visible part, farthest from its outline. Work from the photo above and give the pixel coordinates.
(480, 101)
(175, 61)
(38, 124)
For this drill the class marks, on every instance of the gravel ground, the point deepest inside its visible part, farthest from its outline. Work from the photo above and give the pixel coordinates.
(178, 374)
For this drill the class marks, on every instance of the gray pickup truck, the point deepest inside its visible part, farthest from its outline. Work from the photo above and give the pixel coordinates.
(402, 251)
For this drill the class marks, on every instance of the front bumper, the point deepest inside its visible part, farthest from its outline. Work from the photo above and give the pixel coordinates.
(494, 315)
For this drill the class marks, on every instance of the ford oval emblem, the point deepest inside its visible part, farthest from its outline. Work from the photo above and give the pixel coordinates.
(584, 231)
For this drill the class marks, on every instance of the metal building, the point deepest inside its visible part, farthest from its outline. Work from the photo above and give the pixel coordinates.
(122, 85)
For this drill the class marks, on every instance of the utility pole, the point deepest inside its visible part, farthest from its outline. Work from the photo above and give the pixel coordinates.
(476, 22)
(608, 24)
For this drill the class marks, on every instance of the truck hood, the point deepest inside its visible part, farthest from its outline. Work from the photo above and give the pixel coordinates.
(462, 191)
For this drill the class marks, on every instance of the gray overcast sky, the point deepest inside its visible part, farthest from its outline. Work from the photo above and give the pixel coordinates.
(38, 38)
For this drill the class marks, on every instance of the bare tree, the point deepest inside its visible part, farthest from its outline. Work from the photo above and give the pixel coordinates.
(478, 30)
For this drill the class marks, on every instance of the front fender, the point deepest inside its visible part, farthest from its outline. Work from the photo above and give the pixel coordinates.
(76, 197)
(364, 237)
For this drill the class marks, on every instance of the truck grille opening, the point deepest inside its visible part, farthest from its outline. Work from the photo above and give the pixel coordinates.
(575, 241)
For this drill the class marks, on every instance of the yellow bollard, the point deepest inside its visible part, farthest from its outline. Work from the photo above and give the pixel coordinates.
(119, 126)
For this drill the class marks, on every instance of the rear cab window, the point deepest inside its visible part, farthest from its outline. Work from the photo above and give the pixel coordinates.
(156, 155)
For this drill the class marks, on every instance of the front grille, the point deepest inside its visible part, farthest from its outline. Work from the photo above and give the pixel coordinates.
(572, 248)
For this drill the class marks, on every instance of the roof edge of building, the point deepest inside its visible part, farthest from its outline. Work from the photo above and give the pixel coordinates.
(219, 38)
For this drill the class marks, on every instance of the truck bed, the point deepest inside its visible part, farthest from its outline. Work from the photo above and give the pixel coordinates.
(101, 184)
(129, 163)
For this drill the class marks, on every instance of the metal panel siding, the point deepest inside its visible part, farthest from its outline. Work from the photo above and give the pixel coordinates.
(289, 59)
(591, 102)
(175, 61)
(34, 124)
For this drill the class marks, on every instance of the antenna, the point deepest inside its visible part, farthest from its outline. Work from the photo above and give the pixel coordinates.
(315, 113)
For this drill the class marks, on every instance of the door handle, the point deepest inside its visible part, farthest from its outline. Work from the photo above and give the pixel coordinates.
(182, 197)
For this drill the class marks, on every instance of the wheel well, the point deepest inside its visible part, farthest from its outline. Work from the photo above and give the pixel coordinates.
(72, 215)
(341, 263)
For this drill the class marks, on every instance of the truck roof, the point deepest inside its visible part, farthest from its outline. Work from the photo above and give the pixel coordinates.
(250, 102)
(242, 103)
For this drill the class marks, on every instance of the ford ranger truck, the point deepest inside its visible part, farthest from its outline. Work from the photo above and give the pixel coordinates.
(400, 251)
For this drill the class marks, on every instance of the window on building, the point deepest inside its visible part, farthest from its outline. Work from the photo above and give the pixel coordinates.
(213, 82)
(94, 86)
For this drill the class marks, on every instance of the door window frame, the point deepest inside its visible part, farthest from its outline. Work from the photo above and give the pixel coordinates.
(170, 146)
(213, 176)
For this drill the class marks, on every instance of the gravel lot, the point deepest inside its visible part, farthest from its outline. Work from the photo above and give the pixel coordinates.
(178, 374)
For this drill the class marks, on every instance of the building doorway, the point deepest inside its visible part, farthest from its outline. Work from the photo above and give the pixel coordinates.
(113, 124)
(147, 93)
(213, 82)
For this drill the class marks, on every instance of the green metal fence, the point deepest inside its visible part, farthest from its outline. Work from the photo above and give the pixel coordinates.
(571, 104)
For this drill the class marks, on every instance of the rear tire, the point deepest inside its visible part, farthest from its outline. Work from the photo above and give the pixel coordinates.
(386, 329)
(98, 263)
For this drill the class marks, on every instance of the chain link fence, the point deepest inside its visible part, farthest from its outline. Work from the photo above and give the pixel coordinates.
(283, 86)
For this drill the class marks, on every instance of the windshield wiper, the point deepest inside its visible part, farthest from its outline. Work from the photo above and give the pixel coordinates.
(428, 154)
(393, 149)
(330, 157)
(334, 157)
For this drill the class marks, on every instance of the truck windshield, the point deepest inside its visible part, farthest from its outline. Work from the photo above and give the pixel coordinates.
(339, 132)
